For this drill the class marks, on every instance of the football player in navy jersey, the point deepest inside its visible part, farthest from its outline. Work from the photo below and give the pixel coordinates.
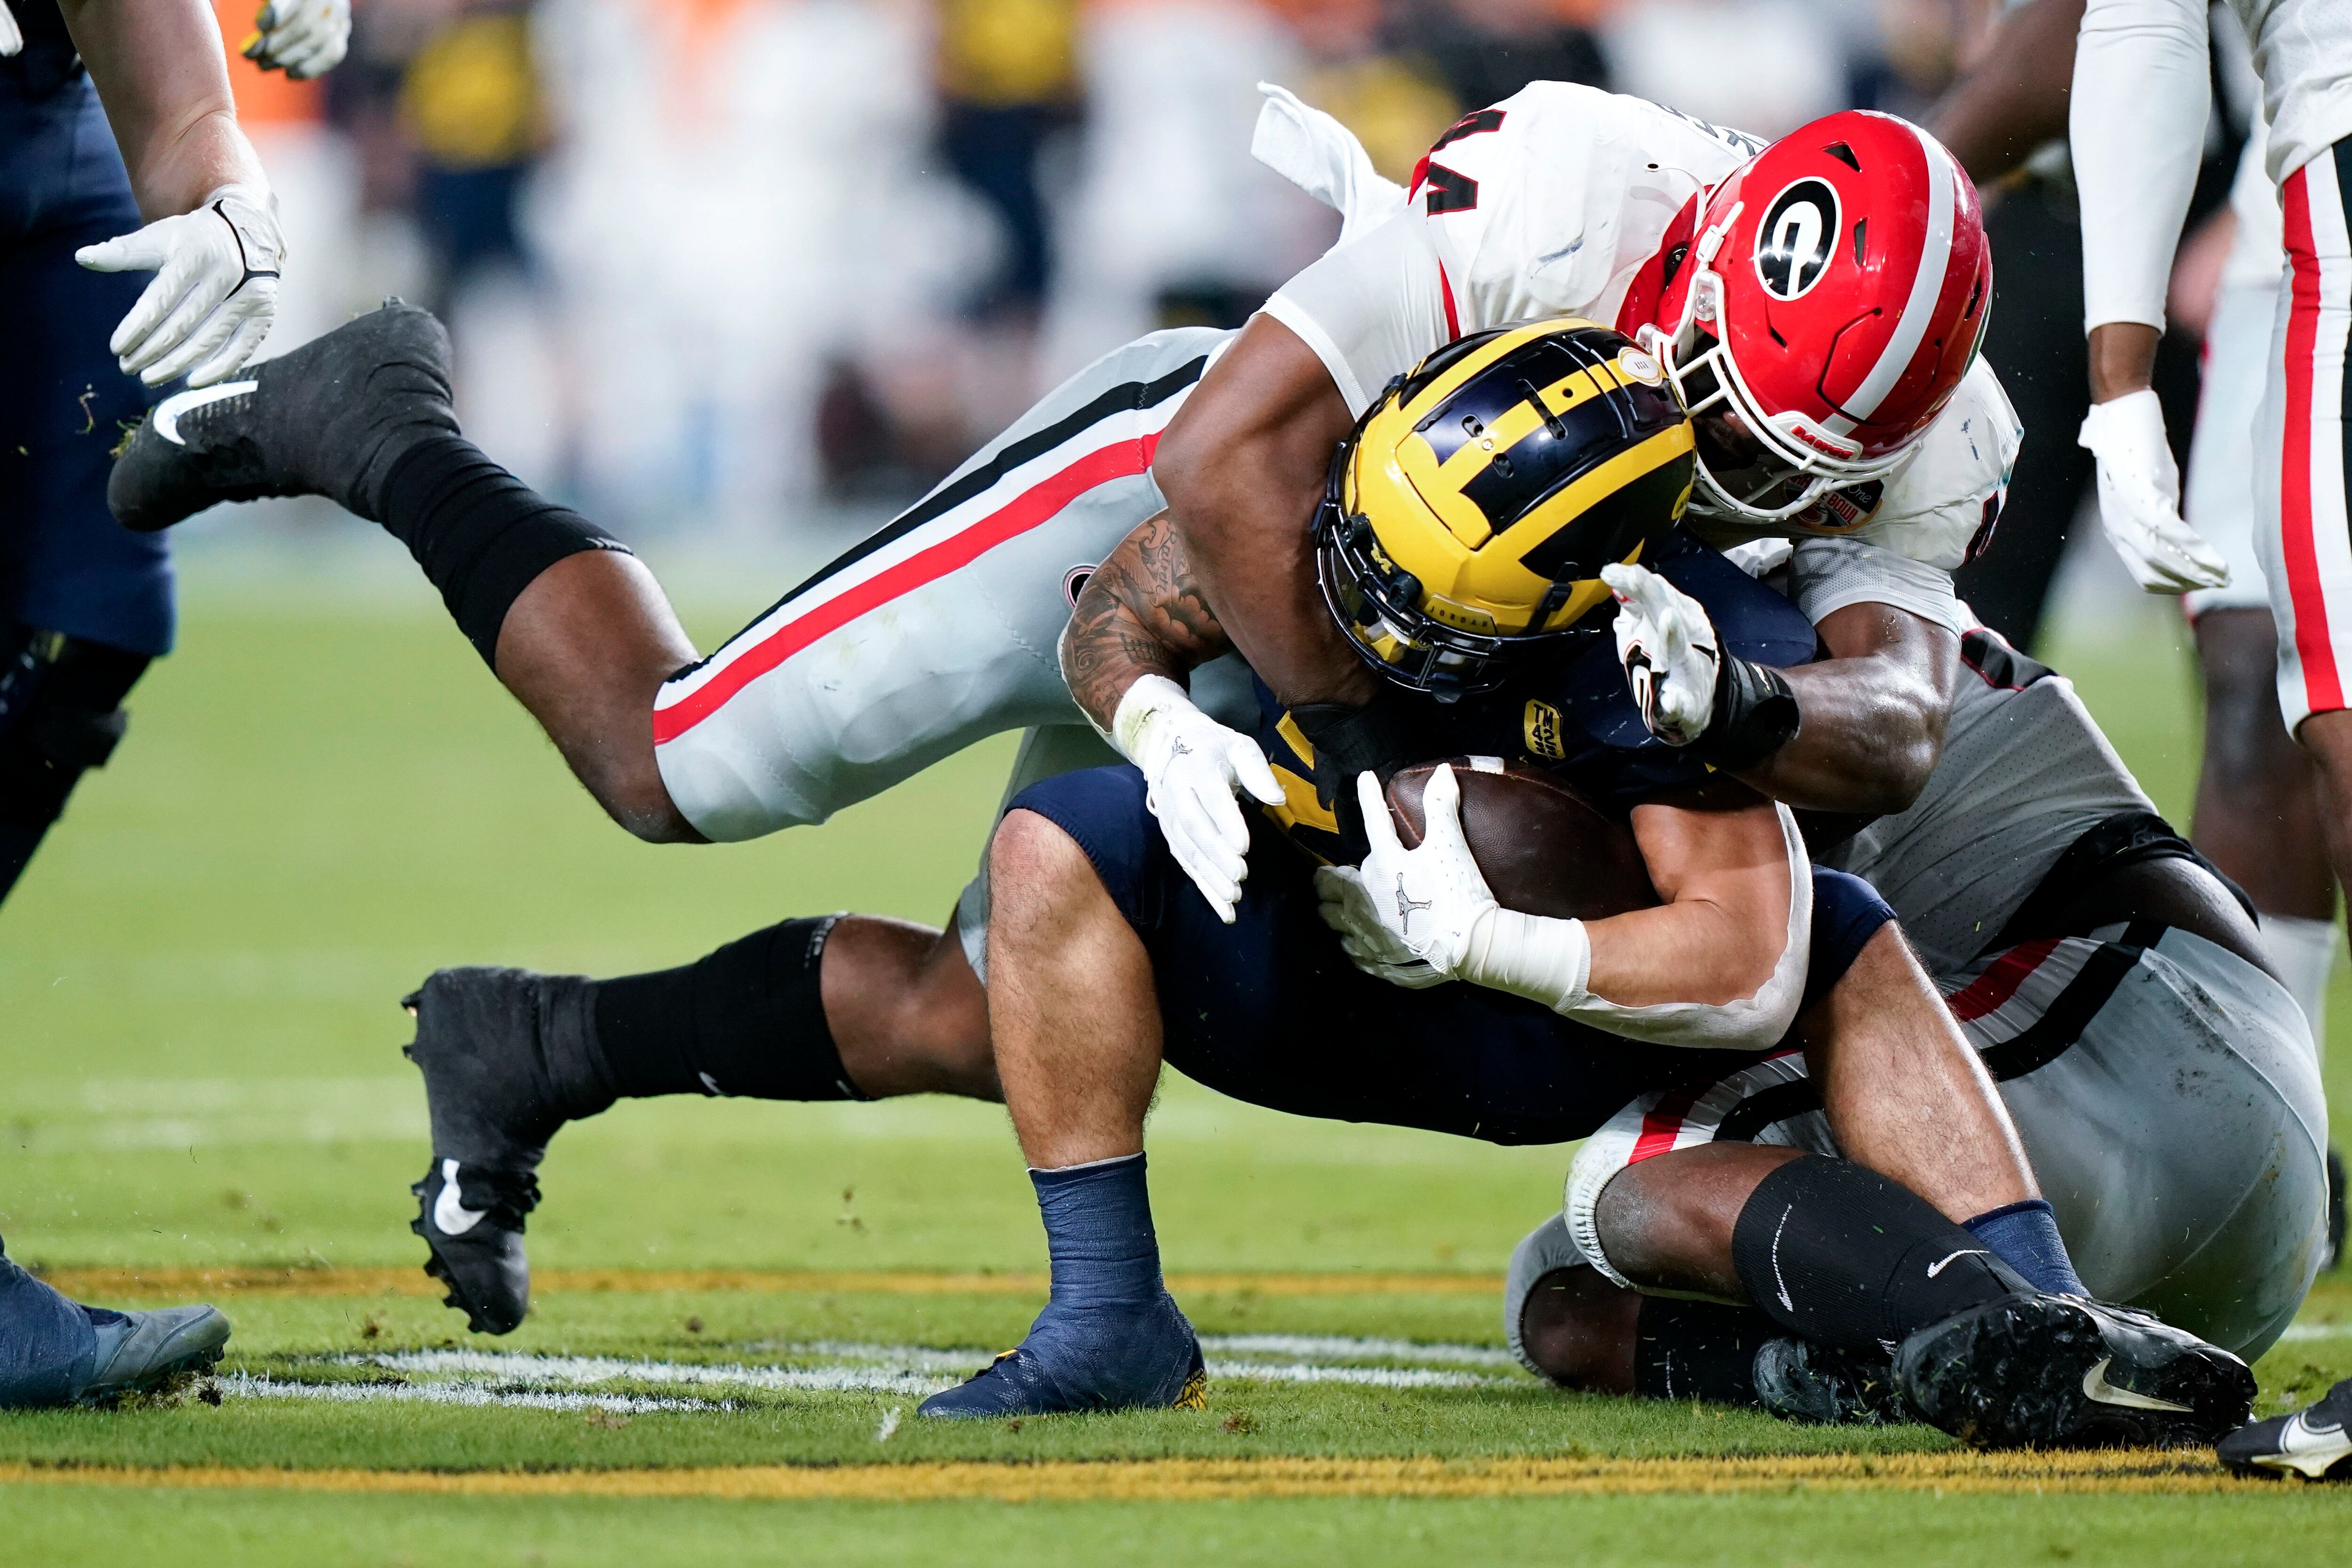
(119, 155)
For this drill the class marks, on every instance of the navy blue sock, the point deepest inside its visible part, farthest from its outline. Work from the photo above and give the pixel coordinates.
(48, 1347)
(2025, 1235)
(1098, 1234)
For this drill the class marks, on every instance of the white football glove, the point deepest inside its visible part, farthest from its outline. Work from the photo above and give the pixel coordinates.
(304, 38)
(1429, 897)
(215, 288)
(12, 37)
(1669, 648)
(2139, 497)
(1347, 908)
(1192, 765)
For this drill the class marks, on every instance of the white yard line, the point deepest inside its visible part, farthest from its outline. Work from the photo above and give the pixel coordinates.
(2317, 1331)
(476, 1378)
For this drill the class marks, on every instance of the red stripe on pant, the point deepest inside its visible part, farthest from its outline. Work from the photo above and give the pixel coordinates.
(1661, 1127)
(2322, 686)
(1041, 501)
(1988, 992)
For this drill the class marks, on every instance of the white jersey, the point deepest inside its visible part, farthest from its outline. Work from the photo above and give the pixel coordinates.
(2023, 774)
(1554, 203)
(2142, 93)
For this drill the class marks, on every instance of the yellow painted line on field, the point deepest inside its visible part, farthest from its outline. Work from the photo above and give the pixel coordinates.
(102, 1284)
(1201, 1480)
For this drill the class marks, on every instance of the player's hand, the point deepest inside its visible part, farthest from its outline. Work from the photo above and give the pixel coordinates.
(215, 288)
(1347, 908)
(1192, 765)
(304, 38)
(12, 37)
(1430, 897)
(1669, 648)
(2139, 497)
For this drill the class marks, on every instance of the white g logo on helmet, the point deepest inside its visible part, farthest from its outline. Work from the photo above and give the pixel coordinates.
(1794, 240)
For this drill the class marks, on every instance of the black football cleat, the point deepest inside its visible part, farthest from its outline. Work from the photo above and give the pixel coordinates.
(2316, 1442)
(507, 1058)
(332, 418)
(1798, 1380)
(2039, 1371)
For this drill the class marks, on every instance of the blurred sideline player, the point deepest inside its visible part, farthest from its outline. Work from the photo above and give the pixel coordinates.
(2141, 92)
(84, 603)
(2257, 816)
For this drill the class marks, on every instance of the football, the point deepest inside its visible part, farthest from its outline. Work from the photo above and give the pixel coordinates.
(1543, 848)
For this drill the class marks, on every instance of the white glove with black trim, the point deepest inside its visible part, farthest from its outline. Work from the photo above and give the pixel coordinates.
(215, 288)
(1192, 765)
(1668, 647)
(2139, 497)
(304, 38)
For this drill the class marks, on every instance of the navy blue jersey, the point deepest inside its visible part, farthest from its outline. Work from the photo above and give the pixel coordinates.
(1576, 718)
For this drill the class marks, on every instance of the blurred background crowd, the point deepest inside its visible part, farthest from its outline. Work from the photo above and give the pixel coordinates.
(712, 263)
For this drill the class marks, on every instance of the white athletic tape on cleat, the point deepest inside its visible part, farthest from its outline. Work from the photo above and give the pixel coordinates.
(168, 411)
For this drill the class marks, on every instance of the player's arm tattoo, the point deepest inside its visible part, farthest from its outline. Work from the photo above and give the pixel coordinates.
(1140, 613)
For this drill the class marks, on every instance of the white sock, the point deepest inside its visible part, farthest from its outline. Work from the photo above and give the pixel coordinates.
(2304, 952)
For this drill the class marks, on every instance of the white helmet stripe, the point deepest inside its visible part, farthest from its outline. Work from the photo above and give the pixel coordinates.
(1927, 284)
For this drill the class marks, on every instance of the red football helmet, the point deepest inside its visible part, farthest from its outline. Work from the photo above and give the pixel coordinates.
(1835, 291)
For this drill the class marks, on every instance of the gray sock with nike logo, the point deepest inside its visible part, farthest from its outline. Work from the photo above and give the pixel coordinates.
(1844, 1256)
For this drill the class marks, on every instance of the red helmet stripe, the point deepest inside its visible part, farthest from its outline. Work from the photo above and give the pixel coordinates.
(1926, 288)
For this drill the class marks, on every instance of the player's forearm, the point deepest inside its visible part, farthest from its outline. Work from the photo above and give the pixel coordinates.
(2013, 96)
(159, 70)
(1244, 467)
(1867, 739)
(1871, 716)
(2142, 92)
(1139, 614)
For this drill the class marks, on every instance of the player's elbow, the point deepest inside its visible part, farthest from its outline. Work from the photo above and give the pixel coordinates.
(1899, 774)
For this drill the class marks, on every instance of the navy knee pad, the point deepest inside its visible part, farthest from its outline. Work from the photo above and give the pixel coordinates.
(1847, 912)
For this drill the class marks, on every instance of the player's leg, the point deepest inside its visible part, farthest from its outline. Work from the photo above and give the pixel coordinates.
(2304, 527)
(56, 1350)
(836, 1008)
(84, 605)
(568, 621)
(2257, 808)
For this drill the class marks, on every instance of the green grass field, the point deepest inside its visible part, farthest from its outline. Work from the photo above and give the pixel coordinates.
(324, 798)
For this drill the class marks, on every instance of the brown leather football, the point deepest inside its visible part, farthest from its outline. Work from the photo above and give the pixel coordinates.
(1544, 849)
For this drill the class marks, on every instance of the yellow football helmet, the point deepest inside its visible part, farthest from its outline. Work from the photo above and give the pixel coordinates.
(1468, 516)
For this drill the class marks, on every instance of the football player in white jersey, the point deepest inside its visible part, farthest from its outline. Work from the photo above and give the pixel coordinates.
(2141, 96)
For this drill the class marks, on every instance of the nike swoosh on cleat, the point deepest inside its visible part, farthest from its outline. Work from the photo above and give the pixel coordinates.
(450, 1215)
(1941, 1264)
(2095, 1386)
(2307, 1449)
(168, 411)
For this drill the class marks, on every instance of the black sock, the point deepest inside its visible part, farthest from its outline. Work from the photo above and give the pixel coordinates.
(480, 534)
(1697, 1350)
(1836, 1253)
(748, 1019)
